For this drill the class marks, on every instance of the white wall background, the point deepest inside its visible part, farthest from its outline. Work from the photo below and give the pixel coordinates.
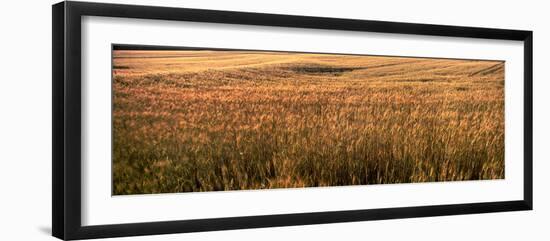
(25, 119)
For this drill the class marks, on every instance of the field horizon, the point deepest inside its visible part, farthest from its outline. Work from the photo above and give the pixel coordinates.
(214, 120)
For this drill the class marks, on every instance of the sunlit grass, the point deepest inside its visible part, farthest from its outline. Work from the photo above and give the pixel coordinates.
(188, 121)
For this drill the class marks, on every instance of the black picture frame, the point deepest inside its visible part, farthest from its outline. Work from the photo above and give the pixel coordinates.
(66, 127)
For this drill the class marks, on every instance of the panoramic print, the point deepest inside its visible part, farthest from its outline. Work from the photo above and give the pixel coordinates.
(198, 120)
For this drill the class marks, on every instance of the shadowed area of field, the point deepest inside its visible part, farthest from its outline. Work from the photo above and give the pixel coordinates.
(206, 120)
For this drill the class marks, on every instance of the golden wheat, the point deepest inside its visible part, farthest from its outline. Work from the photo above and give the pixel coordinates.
(231, 120)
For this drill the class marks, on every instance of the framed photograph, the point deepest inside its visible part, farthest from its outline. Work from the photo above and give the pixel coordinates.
(169, 120)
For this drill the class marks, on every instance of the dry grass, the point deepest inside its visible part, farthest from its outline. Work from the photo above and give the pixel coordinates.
(187, 121)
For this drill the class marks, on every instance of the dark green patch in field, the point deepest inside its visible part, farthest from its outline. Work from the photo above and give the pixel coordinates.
(321, 69)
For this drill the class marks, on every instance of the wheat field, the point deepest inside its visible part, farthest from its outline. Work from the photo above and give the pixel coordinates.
(213, 120)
